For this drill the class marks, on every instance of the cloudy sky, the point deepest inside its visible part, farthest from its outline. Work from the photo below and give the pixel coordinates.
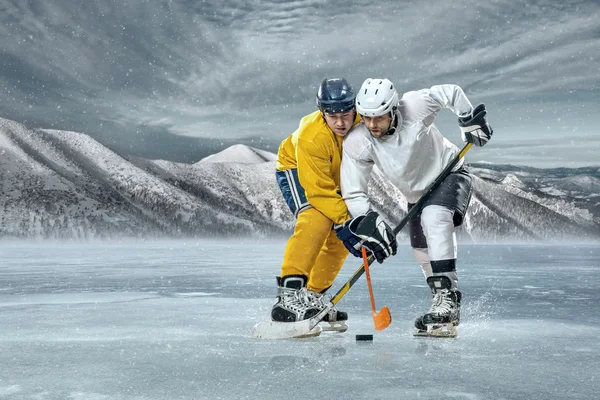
(182, 79)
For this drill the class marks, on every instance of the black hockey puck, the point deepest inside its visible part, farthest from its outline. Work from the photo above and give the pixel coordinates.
(364, 338)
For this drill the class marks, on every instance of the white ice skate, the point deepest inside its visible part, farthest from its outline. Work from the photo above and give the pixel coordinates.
(442, 318)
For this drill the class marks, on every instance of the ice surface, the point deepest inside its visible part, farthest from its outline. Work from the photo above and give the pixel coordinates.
(172, 320)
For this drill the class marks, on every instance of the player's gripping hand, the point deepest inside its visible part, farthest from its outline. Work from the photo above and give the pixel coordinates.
(474, 127)
(370, 231)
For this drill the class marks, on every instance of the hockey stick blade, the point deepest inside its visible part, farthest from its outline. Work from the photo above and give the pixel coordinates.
(285, 330)
(383, 319)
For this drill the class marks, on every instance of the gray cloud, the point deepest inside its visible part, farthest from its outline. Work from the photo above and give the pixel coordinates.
(158, 78)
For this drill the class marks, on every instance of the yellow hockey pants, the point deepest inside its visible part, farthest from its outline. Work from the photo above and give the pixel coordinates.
(314, 250)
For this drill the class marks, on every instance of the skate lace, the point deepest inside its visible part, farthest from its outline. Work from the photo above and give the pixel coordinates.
(442, 303)
(297, 300)
(301, 299)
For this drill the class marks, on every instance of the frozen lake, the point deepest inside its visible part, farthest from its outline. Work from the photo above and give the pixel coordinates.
(172, 320)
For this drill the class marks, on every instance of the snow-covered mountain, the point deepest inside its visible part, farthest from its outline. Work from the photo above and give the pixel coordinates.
(57, 184)
(240, 154)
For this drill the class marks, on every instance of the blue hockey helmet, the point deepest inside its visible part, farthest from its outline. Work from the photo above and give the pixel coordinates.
(335, 96)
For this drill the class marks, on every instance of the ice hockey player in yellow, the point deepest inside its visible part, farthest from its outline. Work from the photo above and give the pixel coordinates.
(308, 174)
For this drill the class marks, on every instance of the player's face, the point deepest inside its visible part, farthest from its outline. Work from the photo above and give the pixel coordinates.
(378, 126)
(340, 123)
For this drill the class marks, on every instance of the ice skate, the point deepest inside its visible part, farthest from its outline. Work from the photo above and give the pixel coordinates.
(294, 301)
(290, 316)
(444, 315)
(334, 320)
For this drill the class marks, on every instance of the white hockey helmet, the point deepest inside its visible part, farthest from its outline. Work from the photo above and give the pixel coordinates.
(376, 97)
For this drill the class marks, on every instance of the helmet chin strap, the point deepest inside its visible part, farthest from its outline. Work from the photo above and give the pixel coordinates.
(393, 125)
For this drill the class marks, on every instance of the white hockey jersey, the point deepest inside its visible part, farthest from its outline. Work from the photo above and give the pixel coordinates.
(412, 157)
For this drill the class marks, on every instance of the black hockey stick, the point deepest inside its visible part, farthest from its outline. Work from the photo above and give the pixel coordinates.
(314, 321)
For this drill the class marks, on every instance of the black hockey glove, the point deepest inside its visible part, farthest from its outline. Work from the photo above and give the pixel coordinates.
(474, 127)
(370, 231)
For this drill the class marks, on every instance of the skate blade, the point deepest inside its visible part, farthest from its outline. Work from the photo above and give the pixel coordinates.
(443, 330)
(285, 330)
(337, 326)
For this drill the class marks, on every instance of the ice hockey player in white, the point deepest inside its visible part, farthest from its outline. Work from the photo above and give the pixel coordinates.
(400, 137)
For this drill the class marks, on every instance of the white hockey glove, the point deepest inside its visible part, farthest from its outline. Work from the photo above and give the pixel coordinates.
(370, 231)
(474, 127)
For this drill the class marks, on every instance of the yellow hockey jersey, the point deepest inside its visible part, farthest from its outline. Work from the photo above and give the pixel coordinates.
(316, 152)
